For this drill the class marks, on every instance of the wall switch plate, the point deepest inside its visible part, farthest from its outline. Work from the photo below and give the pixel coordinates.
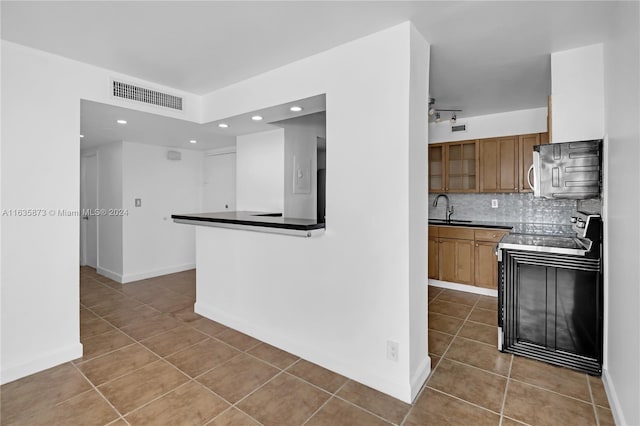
(392, 351)
(494, 204)
(138, 202)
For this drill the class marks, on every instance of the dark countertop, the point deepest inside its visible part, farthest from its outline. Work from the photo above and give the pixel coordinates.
(251, 219)
(472, 224)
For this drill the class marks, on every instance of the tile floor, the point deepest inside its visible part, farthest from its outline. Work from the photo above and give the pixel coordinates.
(149, 360)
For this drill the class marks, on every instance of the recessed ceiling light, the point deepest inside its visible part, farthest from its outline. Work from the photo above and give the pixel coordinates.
(295, 108)
(81, 136)
(122, 121)
(223, 125)
(256, 118)
(193, 141)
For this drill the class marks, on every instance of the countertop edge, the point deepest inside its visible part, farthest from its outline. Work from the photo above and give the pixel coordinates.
(241, 222)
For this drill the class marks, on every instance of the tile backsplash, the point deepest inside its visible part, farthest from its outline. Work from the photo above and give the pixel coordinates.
(512, 207)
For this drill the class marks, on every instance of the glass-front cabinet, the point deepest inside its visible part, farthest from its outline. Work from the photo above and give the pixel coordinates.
(436, 168)
(461, 166)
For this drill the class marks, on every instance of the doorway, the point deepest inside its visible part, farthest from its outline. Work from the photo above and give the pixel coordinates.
(89, 204)
(219, 183)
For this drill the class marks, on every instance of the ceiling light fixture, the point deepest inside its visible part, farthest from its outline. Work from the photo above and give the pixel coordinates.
(121, 121)
(223, 125)
(193, 141)
(432, 111)
(453, 118)
(81, 136)
(295, 108)
(256, 118)
(437, 117)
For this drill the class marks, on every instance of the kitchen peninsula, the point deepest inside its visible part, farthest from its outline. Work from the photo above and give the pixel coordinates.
(273, 223)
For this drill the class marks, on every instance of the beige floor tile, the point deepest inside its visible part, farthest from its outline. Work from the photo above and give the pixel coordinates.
(141, 386)
(148, 327)
(202, 357)
(118, 422)
(93, 294)
(391, 409)
(598, 392)
(189, 404)
(238, 340)
(460, 297)
(110, 307)
(434, 291)
(237, 378)
(173, 340)
(488, 302)
(435, 359)
(88, 408)
(338, 412)
(103, 343)
(186, 315)
(233, 417)
(273, 355)
(506, 421)
(485, 316)
(117, 363)
(479, 355)
(557, 379)
(208, 326)
(319, 376)
(130, 313)
(448, 308)
(438, 342)
(480, 332)
(436, 408)
(41, 390)
(285, 400)
(525, 403)
(172, 304)
(444, 323)
(470, 384)
(93, 326)
(605, 417)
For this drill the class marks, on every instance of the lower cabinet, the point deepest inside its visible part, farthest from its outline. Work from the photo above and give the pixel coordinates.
(464, 255)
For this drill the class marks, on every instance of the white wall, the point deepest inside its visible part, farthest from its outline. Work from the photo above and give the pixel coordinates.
(487, 126)
(622, 209)
(260, 171)
(152, 244)
(110, 252)
(337, 299)
(41, 170)
(577, 94)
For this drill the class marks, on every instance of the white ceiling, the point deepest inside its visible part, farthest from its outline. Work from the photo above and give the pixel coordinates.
(99, 125)
(486, 57)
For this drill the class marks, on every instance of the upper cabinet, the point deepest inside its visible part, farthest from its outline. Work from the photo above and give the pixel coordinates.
(462, 166)
(484, 165)
(436, 168)
(499, 164)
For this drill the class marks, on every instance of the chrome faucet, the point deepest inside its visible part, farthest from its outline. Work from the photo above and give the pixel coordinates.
(449, 209)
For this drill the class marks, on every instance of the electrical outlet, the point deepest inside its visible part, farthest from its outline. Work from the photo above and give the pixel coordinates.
(494, 204)
(138, 202)
(392, 351)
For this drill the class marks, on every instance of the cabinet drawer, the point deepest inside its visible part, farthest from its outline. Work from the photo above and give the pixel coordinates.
(490, 235)
(456, 233)
(433, 231)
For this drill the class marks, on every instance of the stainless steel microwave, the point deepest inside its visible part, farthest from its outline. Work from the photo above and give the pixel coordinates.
(570, 170)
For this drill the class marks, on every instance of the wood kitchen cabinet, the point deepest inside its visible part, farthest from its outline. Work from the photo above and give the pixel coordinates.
(433, 253)
(436, 168)
(499, 164)
(464, 255)
(461, 165)
(525, 151)
(485, 259)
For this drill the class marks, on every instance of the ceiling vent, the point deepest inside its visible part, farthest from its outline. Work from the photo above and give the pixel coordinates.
(140, 94)
(458, 128)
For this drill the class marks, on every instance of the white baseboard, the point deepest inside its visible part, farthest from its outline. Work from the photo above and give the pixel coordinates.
(322, 358)
(464, 287)
(42, 362)
(419, 377)
(109, 274)
(156, 273)
(612, 396)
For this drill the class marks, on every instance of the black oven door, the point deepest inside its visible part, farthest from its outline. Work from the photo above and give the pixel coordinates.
(550, 308)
